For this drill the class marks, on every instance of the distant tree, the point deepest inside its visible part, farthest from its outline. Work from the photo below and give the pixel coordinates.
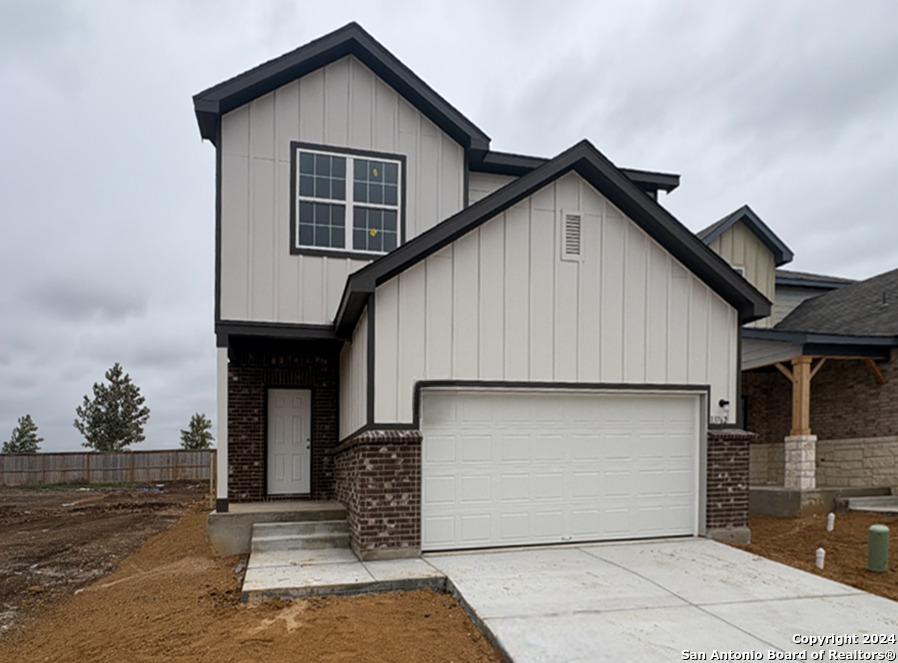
(197, 435)
(113, 420)
(24, 439)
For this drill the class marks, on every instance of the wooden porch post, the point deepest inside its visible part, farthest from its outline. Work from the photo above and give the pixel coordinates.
(801, 396)
(801, 444)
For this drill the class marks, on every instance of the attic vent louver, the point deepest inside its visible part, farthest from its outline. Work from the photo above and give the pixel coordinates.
(571, 236)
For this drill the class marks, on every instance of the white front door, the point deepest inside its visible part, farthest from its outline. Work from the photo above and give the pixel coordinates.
(289, 441)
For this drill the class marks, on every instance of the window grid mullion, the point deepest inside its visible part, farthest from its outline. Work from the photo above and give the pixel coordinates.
(349, 204)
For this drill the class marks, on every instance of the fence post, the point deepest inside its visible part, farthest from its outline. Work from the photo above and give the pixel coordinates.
(43, 469)
(213, 477)
(175, 468)
(131, 466)
(88, 468)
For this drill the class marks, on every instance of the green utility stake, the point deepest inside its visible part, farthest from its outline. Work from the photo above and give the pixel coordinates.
(878, 548)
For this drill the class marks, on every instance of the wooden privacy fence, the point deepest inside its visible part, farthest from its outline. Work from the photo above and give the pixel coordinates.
(119, 467)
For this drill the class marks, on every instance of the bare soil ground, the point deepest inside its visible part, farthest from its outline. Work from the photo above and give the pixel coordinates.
(794, 541)
(173, 600)
(56, 539)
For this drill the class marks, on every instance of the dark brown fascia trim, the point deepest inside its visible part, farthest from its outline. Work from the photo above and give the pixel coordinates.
(296, 145)
(351, 39)
(238, 328)
(369, 383)
(218, 176)
(815, 338)
(506, 163)
(590, 164)
(740, 415)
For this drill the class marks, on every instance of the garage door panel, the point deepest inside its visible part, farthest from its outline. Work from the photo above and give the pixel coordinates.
(439, 490)
(439, 530)
(557, 467)
(515, 447)
(476, 489)
(476, 530)
(547, 486)
(476, 448)
(514, 487)
(440, 449)
(586, 485)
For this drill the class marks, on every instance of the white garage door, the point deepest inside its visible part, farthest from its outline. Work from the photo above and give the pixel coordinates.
(506, 468)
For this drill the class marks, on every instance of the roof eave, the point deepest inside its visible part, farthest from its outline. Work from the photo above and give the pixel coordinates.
(351, 39)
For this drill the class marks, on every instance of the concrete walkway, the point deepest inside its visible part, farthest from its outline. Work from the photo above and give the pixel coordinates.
(650, 601)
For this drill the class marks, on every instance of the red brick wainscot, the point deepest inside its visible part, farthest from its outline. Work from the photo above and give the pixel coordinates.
(726, 511)
(378, 480)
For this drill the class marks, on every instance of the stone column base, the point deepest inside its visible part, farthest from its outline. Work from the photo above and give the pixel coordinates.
(801, 468)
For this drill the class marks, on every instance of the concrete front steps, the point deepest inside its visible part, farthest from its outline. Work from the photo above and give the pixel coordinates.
(312, 557)
(299, 535)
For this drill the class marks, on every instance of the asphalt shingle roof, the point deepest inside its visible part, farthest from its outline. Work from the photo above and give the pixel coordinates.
(863, 308)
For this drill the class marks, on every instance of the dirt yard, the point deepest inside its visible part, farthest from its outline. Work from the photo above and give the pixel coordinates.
(173, 600)
(55, 541)
(794, 541)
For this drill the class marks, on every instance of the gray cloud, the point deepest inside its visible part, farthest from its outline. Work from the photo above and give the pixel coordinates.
(74, 302)
(107, 192)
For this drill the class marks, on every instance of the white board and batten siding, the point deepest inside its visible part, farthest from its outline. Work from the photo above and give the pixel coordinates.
(499, 305)
(480, 185)
(343, 105)
(740, 247)
(354, 380)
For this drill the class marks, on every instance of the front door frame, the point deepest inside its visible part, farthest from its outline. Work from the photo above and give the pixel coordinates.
(305, 487)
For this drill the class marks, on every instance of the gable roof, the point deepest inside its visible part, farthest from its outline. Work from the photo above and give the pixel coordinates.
(591, 165)
(863, 308)
(781, 253)
(209, 105)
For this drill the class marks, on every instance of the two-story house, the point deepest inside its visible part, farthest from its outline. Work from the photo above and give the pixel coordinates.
(466, 348)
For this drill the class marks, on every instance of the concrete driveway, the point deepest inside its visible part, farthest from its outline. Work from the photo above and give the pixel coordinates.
(668, 600)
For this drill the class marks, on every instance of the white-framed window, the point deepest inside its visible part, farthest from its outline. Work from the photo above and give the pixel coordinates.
(346, 201)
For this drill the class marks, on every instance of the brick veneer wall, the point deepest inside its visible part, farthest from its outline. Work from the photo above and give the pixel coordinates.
(378, 480)
(256, 365)
(727, 479)
(854, 418)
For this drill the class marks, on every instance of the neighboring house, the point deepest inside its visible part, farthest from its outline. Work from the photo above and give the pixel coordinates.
(847, 340)
(466, 348)
(817, 383)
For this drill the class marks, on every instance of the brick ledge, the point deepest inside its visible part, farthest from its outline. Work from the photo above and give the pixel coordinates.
(381, 436)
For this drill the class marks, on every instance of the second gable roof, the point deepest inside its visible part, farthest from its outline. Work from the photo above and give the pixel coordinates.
(589, 163)
(782, 254)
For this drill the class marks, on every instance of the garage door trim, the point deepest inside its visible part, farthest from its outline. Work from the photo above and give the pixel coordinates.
(695, 439)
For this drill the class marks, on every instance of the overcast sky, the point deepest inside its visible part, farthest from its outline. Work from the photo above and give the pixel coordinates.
(107, 192)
